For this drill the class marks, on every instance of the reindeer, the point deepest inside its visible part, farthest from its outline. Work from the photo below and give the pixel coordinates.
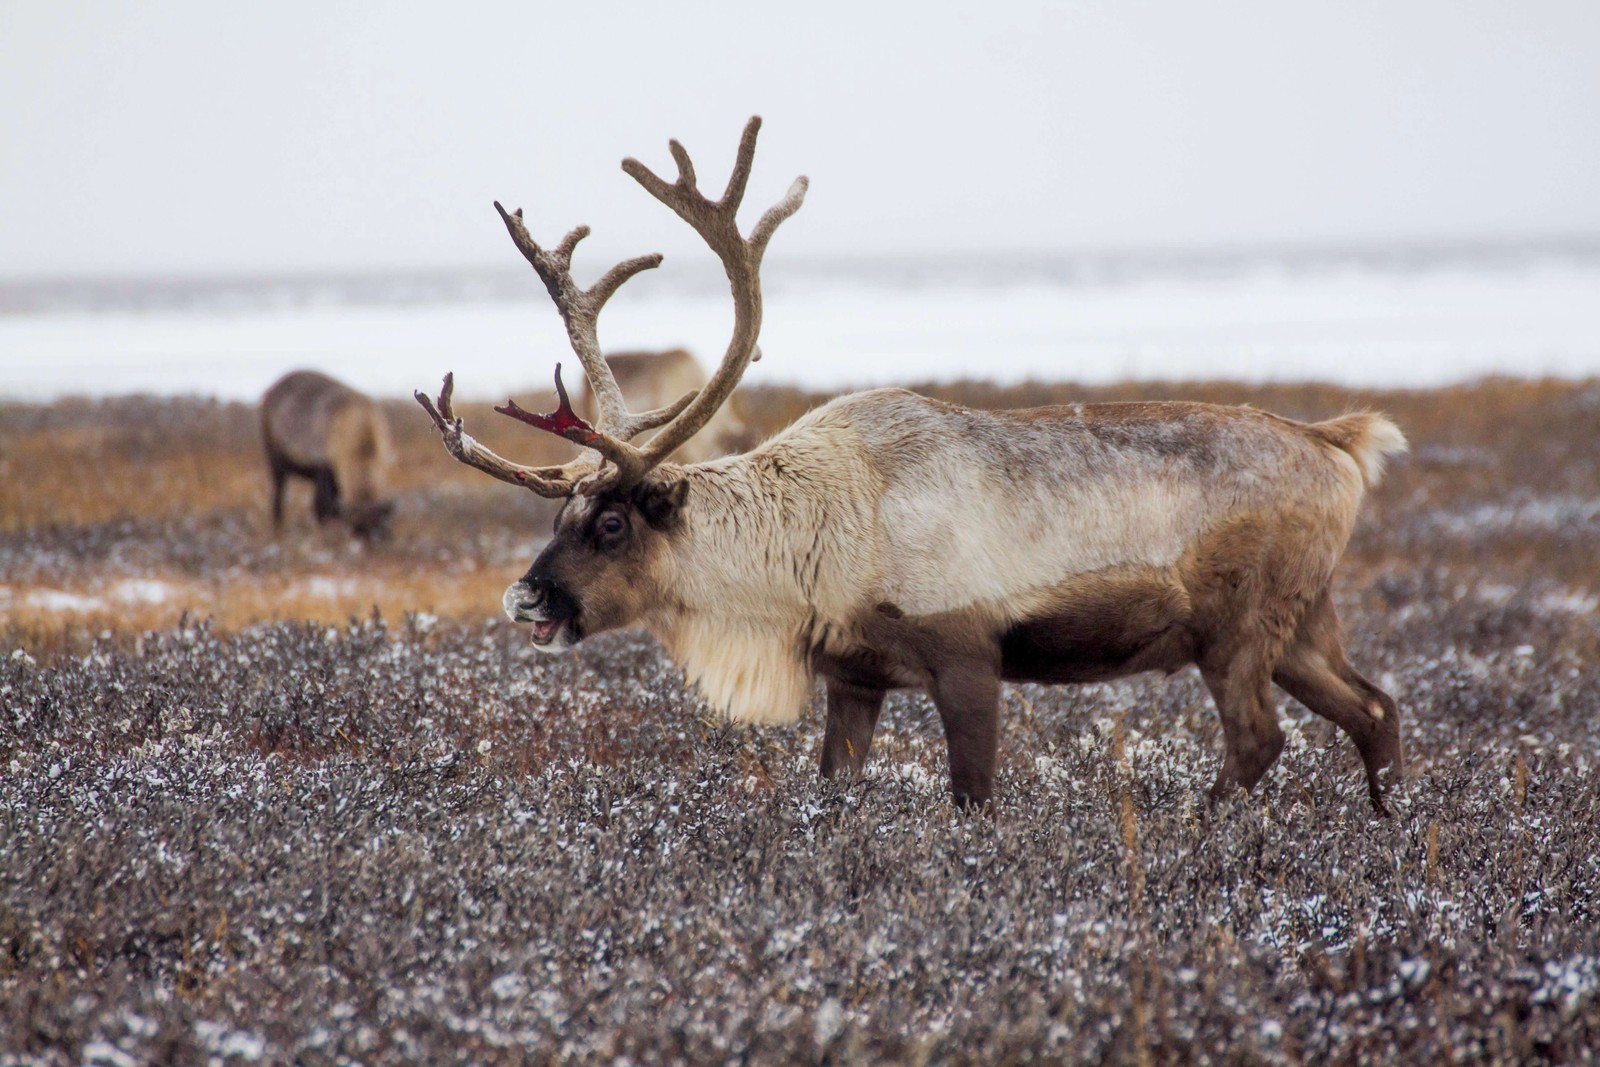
(651, 379)
(887, 540)
(317, 428)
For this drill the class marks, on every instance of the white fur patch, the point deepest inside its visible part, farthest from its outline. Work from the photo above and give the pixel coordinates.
(750, 673)
(771, 540)
(1383, 439)
(959, 542)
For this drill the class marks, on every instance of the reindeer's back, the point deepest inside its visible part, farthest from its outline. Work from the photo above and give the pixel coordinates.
(299, 414)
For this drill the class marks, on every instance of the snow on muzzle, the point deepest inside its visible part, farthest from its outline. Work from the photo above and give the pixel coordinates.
(548, 607)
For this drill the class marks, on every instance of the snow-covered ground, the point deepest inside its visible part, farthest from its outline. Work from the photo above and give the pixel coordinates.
(1344, 321)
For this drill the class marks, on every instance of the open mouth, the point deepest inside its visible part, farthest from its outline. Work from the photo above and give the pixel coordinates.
(547, 610)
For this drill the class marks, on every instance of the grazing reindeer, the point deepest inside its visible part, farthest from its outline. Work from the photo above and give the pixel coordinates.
(314, 427)
(886, 540)
(654, 379)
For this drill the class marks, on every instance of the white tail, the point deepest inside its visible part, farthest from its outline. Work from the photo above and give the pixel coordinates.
(1368, 437)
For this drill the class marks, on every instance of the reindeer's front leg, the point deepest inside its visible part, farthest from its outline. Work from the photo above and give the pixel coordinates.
(852, 716)
(967, 695)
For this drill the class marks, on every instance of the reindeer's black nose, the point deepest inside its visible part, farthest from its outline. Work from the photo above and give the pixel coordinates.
(535, 592)
(540, 596)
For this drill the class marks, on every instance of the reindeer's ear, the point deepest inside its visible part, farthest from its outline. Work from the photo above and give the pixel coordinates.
(660, 501)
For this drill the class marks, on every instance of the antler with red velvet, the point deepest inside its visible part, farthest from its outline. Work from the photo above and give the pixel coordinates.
(580, 309)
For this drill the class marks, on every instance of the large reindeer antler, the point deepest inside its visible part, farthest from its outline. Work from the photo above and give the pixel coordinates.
(715, 222)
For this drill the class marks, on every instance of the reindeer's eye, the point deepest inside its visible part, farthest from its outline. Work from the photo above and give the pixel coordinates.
(611, 525)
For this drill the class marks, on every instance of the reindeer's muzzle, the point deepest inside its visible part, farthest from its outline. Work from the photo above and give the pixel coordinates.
(550, 609)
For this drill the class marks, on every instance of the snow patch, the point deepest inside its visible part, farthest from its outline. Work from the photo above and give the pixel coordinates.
(328, 587)
(60, 600)
(141, 591)
(1569, 601)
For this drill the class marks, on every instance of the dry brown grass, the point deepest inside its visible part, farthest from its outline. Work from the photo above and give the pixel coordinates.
(34, 619)
(84, 462)
(175, 490)
(93, 494)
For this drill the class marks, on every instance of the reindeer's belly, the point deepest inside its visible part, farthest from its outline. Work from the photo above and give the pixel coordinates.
(1102, 625)
(301, 468)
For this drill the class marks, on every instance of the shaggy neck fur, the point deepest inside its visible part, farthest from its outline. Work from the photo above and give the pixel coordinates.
(773, 548)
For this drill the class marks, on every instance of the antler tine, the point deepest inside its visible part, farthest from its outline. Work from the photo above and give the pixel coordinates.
(717, 225)
(656, 417)
(444, 416)
(568, 244)
(680, 156)
(774, 216)
(545, 481)
(580, 311)
(611, 280)
(564, 422)
(733, 195)
(551, 264)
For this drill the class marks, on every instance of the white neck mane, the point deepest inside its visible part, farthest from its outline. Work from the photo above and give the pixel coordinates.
(773, 544)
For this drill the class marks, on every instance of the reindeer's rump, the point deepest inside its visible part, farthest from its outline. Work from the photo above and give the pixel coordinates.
(1009, 508)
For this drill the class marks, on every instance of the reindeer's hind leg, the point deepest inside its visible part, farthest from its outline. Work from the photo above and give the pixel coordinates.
(852, 716)
(1315, 672)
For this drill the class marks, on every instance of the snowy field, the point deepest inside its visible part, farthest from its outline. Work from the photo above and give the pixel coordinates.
(280, 800)
(1354, 321)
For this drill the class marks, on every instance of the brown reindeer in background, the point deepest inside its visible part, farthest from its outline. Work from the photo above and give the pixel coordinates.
(886, 540)
(655, 379)
(316, 428)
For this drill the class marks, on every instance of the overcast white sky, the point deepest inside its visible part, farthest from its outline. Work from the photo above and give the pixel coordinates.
(191, 136)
